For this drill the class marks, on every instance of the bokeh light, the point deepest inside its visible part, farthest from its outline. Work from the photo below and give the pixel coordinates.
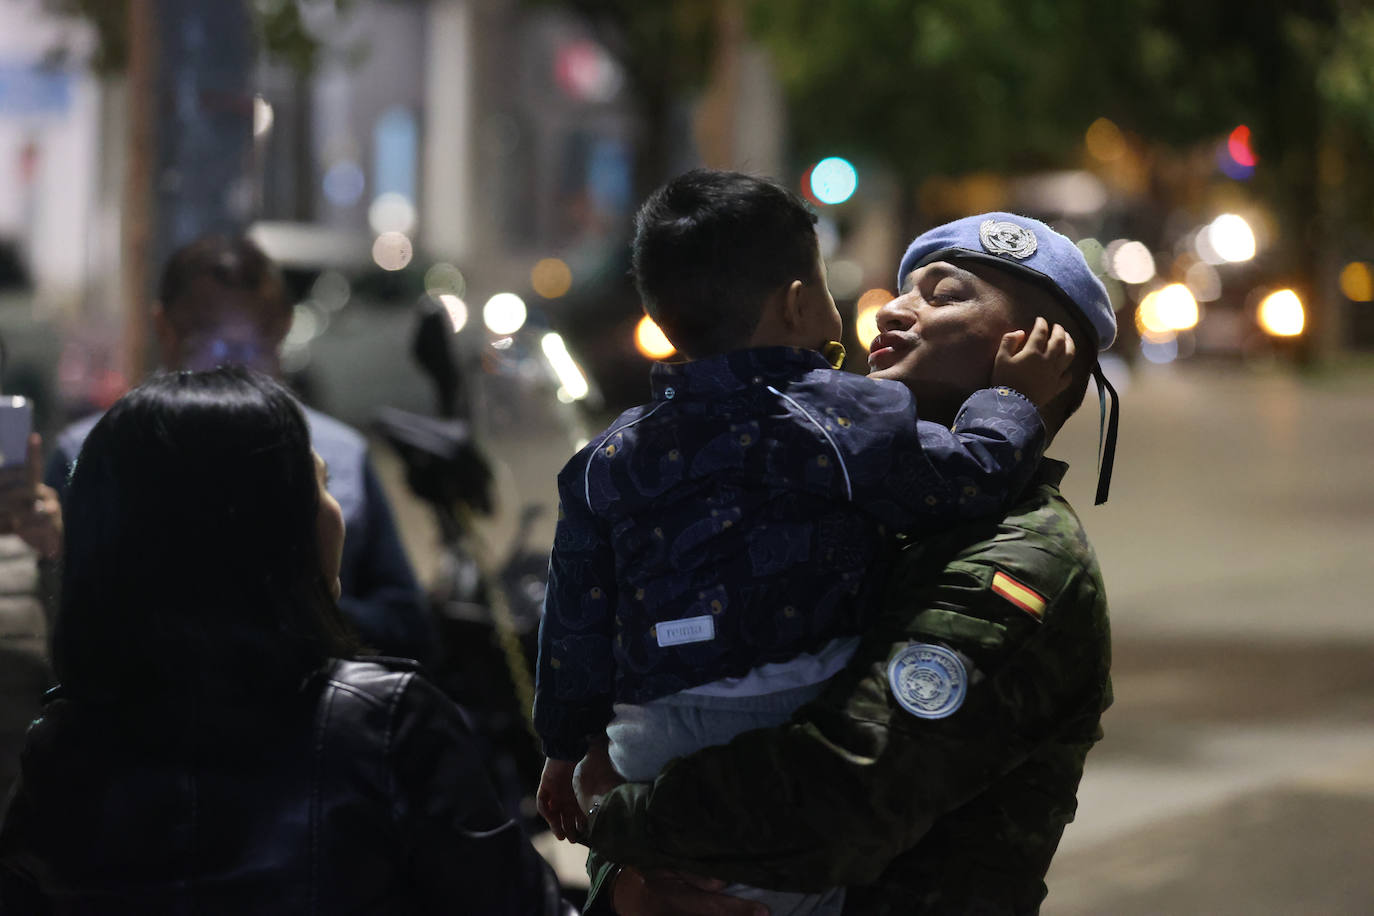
(846, 277)
(651, 341)
(1161, 350)
(1231, 237)
(833, 180)
(1104, 141)
(1357, 281)
(866, 315)
(874, 298)
(586, 72)
(1281, 314)
(344, 183)
(551, 278)
(263, 117)
(331, 290)
(1236, 157)
(1092, 253)
(1238, 146)
(391, 212)
(504, 313)
(570, 376)
(1130, 262)
(1204, 282)
(1166, 311)
(445, 278)
(306, 325)
(866, 326)
(457, 310)
(392, 251)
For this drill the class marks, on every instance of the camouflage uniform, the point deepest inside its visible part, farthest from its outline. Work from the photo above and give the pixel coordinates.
(959, 814)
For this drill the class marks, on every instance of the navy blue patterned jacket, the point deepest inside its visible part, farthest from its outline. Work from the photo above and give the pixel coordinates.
(735, 519)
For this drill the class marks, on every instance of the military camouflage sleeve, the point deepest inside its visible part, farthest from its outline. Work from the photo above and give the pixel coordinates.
(994, 647)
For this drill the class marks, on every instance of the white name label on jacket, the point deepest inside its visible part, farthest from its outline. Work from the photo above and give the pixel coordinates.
(688, 629)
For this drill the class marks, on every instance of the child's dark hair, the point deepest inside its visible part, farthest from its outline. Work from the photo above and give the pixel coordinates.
(710, 246)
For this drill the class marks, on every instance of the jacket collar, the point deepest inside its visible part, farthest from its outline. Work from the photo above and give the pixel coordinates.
(733, 371)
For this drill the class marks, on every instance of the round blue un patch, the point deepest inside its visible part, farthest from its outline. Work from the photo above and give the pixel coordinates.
(928, 681)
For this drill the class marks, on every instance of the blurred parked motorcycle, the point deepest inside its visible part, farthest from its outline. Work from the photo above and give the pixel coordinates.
(486, 608)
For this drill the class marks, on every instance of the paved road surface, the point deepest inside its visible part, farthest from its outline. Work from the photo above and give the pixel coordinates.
(1237, 774)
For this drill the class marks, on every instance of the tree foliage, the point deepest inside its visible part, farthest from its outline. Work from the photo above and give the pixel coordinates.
(952, 86)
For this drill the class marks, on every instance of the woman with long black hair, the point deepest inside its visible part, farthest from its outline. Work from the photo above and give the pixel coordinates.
(216, 745)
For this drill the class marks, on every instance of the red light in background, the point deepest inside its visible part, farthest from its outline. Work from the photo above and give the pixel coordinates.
(1238, 145)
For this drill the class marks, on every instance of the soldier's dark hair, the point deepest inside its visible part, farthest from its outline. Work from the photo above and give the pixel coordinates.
(709, 248)
(229, 262)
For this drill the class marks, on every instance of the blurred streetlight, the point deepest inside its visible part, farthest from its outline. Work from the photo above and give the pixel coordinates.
(1357, 281)
(1166, 311)
(1130, 262)
(445, 278)
(551, 278)
(1238, 145)
(1104, 141)
(1281, 314)
(651, 341)
(1236, 157)
(570, 377)
(263, 117)
(866, 319)
(504, 314)
(833, 180)
(391, 212)
(392, 251)
(1230, 237)
(457, 310)
(1203, 282)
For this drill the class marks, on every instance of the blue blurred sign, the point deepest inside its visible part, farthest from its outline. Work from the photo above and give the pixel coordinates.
(396, 153)
(30, 90)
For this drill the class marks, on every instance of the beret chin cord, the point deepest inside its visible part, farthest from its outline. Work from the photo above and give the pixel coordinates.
(1106, 436)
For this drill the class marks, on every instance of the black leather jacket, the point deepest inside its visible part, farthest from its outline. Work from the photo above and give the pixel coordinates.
(364, 794)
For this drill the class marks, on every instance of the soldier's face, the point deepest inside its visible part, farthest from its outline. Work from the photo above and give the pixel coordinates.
(940, 336)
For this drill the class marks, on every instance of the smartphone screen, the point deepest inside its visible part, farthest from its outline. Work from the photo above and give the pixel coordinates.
(16, 421)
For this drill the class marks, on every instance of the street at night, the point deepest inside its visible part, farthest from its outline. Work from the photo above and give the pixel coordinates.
(433, 428)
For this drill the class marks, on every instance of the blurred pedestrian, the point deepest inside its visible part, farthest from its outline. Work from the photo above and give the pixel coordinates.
(222, 302)
(30, 540)
(214, 745)
(30, 543)
(936, 773)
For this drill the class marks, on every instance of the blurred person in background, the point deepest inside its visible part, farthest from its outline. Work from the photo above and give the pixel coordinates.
(936, 773)
(214, 745)
(222, 302)
(30, 530)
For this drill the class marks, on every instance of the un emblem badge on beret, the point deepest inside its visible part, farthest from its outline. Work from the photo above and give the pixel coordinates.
(1006, 238)
(928, 681)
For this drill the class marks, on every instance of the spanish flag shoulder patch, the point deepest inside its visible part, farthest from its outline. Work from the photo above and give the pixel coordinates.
(1023, 596)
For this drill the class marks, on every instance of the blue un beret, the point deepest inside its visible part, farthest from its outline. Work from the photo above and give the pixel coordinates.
(1023, 246)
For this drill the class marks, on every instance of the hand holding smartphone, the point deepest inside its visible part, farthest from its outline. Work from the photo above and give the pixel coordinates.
(28, 508)
(16, 422)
